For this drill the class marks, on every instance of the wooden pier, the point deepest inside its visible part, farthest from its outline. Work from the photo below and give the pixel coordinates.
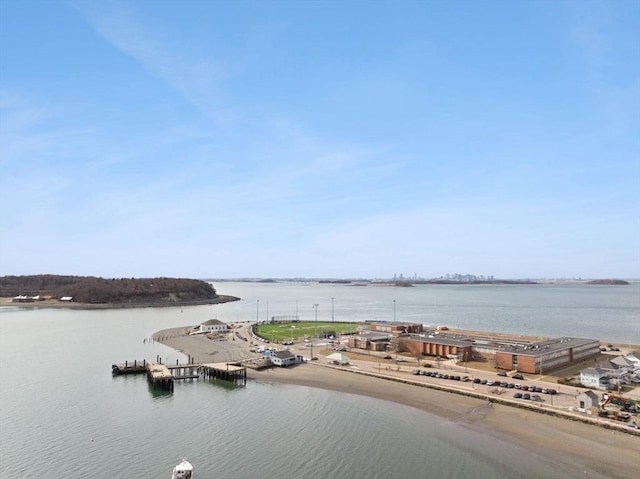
(129, 367)
(160, 376)
(225, 371)
(163, 376)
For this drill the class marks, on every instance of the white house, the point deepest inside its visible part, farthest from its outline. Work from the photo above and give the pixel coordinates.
(634, 357)
(214, 326)
(283, 358)
(596, 378)
(586, 401)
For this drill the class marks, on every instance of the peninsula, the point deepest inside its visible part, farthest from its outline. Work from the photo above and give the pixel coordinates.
(48, 290)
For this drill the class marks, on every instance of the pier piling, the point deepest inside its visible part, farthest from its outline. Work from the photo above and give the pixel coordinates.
(163, 376)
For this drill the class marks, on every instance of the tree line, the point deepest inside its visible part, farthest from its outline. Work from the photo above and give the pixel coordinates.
(95, 290)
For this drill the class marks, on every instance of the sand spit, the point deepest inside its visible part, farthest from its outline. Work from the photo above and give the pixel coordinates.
(611, 453)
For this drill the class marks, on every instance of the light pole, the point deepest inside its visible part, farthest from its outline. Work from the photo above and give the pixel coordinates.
(257, 311)
(332, 318)
(315, 306)
(394, 310)
(267, 312)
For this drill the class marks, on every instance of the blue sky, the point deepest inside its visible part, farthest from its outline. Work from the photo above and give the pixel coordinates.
(320, 138)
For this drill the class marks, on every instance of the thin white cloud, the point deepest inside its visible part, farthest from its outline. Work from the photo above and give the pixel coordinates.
(200, 80)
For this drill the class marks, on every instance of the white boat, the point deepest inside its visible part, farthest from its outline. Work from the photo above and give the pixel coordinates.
(184, 470)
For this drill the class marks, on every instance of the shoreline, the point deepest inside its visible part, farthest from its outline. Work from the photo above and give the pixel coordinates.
(48, 304)
(573, 442)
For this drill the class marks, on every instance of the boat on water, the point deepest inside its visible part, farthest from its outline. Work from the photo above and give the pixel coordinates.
(184, 470)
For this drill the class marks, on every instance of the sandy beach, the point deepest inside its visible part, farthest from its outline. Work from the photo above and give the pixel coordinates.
(596, 450)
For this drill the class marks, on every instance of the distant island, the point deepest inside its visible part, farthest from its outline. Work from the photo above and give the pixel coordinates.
(90, 291)
(404, 283)
(615, 282)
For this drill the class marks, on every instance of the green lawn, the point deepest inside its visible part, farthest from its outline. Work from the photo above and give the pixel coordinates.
(302, 329)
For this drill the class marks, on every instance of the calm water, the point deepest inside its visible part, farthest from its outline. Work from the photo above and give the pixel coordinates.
(63, 415)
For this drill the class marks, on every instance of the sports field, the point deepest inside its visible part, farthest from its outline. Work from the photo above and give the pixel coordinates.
(303, 329)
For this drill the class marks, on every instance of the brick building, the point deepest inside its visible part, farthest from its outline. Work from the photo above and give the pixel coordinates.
(437, 346)
(396, 328)
(508, 354)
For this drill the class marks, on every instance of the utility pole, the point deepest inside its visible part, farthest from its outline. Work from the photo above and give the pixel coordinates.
(315, 306)
(332, 317)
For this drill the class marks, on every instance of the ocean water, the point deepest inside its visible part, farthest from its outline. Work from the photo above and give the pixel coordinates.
(62, 414)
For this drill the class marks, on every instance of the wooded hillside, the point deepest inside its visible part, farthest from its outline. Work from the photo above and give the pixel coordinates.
(93, 290)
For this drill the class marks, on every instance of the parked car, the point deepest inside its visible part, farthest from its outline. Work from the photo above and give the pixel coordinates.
(502, 373)
(517, 395)
(518, 376)
(526, 396)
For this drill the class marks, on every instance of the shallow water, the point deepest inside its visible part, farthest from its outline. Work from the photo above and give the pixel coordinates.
(62, 414)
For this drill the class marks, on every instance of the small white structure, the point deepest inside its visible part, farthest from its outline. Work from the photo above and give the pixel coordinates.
(283, 358)
(634, 357)
(596, 378)
(338, 358)
(22, 298)
(214, 326)
(586, 401)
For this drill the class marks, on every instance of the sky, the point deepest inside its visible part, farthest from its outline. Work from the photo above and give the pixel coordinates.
(320, 139)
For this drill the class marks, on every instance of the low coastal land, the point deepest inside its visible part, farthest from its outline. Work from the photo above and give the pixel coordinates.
(572, 444)
(54, 303)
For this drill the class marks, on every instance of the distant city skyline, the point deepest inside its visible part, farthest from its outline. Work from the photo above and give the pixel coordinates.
(320, 139)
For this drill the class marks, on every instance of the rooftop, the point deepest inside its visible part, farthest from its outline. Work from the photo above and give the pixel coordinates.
(501, 344)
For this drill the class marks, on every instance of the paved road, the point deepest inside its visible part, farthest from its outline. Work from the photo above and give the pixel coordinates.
(205, 350)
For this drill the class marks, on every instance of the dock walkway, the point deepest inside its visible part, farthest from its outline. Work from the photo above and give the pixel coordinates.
(163, 375)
